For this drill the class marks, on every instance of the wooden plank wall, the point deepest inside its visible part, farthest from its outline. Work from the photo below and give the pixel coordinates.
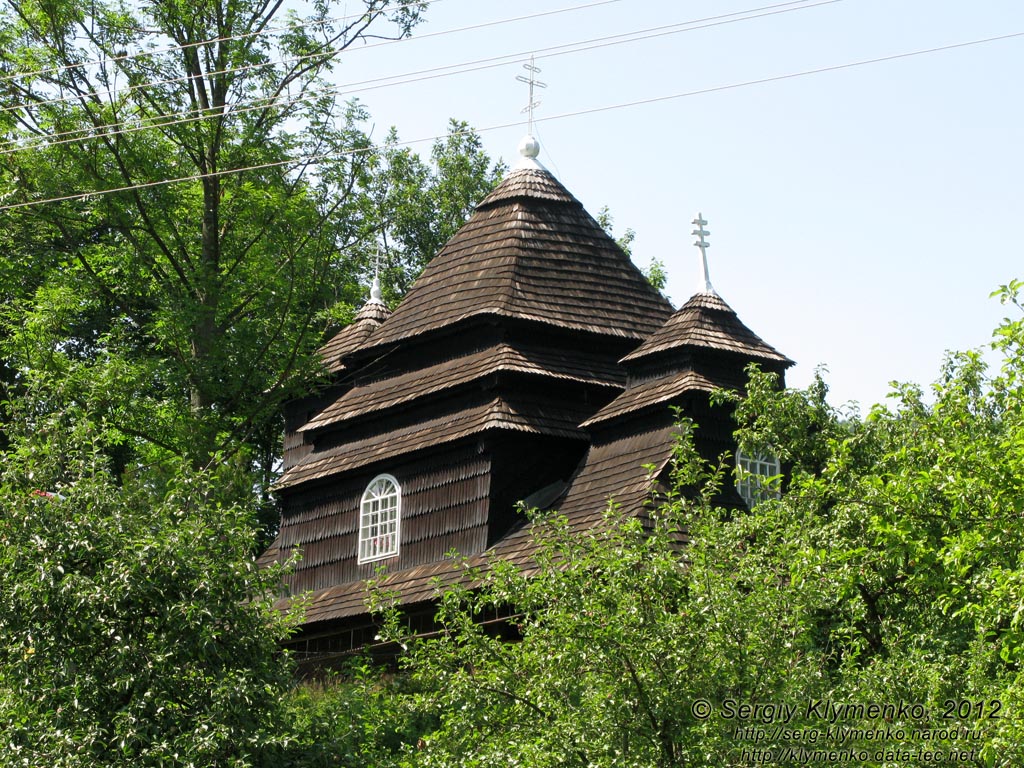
(444, 507)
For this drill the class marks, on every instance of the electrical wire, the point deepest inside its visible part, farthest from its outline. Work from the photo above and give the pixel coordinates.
(110, 93)
(313, 159)
(126, 127)
(211, 41)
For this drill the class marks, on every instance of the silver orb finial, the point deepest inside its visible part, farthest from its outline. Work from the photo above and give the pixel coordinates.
(529, 147)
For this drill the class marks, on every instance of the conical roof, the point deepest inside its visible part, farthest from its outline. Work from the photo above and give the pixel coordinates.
(531, 252)
(707, 322)
(351, 337)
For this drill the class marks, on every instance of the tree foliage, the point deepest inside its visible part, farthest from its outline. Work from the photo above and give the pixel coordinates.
(616, 635)
(188, 312)
(416, 206)
(221, 274)
(136, 627)
(889, 571)
(655, 272)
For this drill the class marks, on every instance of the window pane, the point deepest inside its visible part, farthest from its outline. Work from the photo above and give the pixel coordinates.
(752, 477)
(379, 519)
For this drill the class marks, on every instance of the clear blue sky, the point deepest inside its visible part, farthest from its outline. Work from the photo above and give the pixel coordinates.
(859, 218)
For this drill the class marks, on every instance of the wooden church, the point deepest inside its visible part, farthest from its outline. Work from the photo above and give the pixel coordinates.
(530, 362)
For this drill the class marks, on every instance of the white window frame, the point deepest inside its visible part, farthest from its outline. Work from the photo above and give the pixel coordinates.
(752, 473)
(380, 517)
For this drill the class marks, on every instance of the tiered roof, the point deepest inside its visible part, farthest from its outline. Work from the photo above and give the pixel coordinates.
(685, 355)
(529, 256)
(375, 394)
(516, 413)
(354, 335)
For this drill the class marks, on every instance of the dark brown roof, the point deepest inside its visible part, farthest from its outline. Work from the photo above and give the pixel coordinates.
(615, 471)
(706, 321)
(374, 396)
(530, 251)
(521, 413)
(654, 392)
(413, 585)
(352, 336)
(528, 182)
(611, 472)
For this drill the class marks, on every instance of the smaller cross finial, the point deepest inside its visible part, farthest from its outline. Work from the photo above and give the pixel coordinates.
(702, 243)
(533, 83)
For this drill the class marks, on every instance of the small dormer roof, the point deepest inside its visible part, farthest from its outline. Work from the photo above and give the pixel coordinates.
(354, 335)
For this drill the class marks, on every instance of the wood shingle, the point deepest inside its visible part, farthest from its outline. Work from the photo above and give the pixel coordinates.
(375, 395)
(706, 321)
(530, 251)
(354, 335)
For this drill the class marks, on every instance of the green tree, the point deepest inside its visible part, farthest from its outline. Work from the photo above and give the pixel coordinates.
(655, 272)
(359, 716)
(136, 628)
(889, 570)
(420, 206)
(910, 534)
(188, 312)
(205, 290)
(616, 637)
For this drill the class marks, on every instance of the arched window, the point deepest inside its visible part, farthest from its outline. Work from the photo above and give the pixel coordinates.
(379, 516)
(752, 477)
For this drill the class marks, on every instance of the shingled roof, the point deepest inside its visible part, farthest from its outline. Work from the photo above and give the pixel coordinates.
(652, 393)
(531, 252)
(500, 377)
(707, 322)
(373, 396)
(521, 413)
(352, 336)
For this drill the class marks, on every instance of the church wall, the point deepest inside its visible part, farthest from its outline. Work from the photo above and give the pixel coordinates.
(296, 414)
(444, 507)
(524, 465)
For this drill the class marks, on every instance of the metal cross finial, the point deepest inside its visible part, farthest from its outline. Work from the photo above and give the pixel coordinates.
(703, 244)
(533, 83)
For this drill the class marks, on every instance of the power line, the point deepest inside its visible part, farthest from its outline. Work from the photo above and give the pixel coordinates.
(112, 92)
(778, 78)
(89, 133)
(411, 77)
(313, 159)
(211, 41)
